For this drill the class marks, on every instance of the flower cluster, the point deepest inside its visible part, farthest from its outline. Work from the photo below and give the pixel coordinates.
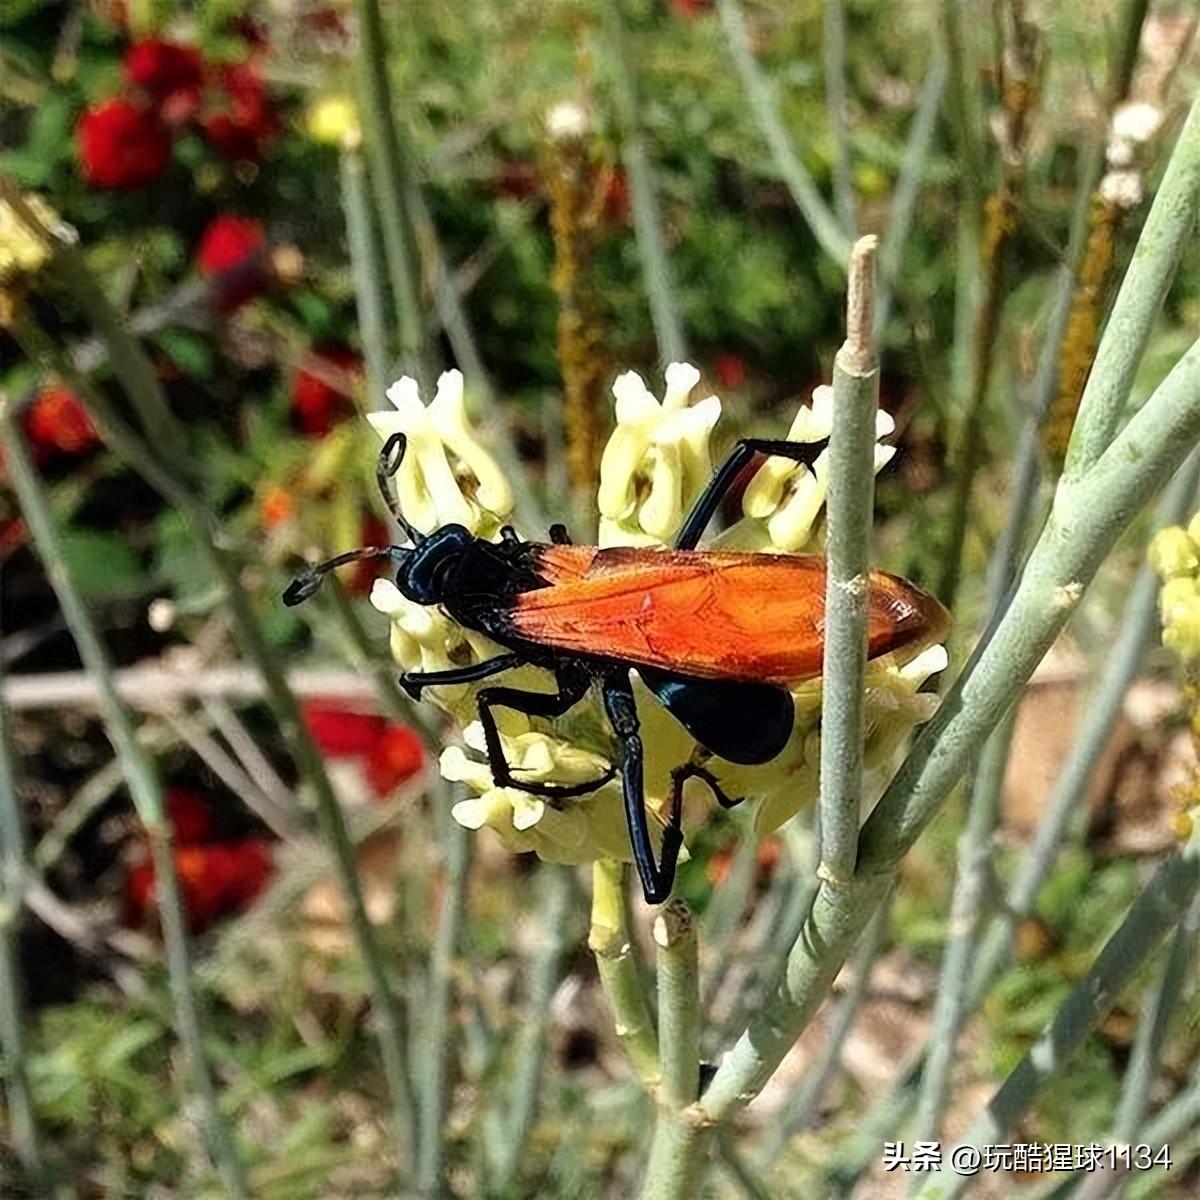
(124, 142)
(217, 877)
(1175, 556)
(654, 466)
(389, 752)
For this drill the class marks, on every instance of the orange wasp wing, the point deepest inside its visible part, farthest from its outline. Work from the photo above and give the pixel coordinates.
(708, 614)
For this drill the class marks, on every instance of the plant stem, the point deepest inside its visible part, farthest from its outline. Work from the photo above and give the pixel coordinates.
(369, 294)
(1169, 228)
(647, 218)
(388, 184)
(824, 225)
(803, 1104)
(142, 780)
(967, 912)
(610, 941)
(1085, 524)
(834, 52)
(436, 1026)
(512, 1124)
(849, 510)
(678, 1005)
(1153, 914)
(908, 187)
(169, 479)
(22, 1120)
(678, 1158)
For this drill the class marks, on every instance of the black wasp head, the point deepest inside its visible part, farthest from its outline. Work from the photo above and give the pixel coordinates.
(428, 573)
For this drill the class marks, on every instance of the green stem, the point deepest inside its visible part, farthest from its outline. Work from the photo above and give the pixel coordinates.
(436, 1026)
(22, 1120)
(803, 1103)
(849, 509)
(678, 1005)
(1169, 228)
(369, 294)
(834, 52)
(142, 779)
(610, 941)
(388, 184)
(170, 480)
(1155, 912)
(511, 1126)
(824, 225)
(647, 219)
(908, 188)
(1085, 523)
(678, 1158)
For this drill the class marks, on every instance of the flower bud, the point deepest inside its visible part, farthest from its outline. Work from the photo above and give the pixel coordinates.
(1173, 553)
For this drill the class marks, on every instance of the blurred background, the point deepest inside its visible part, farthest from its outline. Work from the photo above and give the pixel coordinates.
(225, 228)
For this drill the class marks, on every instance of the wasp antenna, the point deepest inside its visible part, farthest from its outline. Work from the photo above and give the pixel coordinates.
(386, 466)
(308, 582)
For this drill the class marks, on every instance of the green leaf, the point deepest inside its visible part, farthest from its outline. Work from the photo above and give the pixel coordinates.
(103, 565)
(190, 353)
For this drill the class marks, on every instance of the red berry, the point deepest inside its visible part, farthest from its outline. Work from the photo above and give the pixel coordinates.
(396, 756)
(122, 145)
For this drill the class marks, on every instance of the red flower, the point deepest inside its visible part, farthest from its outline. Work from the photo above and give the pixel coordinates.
(56, 423)
(690, 10)
(171, 73)
(320, 400)
(341, 734)
(214, 880)
(730, 370)
(232, 254)
(396, 756)
(190, 816)
(245, 120)
(122, 145)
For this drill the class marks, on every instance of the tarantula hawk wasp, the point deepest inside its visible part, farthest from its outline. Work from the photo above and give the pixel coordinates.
(716, 636)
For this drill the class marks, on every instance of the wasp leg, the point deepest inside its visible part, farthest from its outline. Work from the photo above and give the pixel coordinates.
(694, 770)
(692, 530)
(414, 681)
(509, 534)
(572, 687)
(657, 879)
(559, 535)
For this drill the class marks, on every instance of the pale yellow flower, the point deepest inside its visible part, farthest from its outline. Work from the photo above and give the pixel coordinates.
(657, 461)
(447, 476)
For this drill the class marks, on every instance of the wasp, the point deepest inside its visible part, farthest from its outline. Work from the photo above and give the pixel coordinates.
(716, 636)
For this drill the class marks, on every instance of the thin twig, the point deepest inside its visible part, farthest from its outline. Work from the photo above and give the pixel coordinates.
(388, 184)
(26, 1139)
(834, 52)
(802, 1105)
(821, 220)
(435, 1026)
(849, 510)
(511, 1123)
(369, 295)
(647, 218)
(1155, 912)
(144, 786)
